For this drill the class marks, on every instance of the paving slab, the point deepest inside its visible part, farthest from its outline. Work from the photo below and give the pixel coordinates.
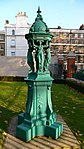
(66, 141)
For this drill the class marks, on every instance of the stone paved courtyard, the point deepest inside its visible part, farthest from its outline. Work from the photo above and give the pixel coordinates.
(65, 141)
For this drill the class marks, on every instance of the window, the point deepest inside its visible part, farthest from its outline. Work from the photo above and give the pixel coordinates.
(81, 50)
(73, 42)
(76, 41)
(82, 41)
(12, 53)
(65, 35)
(78, 59)
(64, 48)
(12, 43)
(65, 41)
(13, 32)
(76, 35)
(81, 35)
(57, 35)
(76, 49)
(61, 35)
(81, 59)
(54, 40)
(79, 42)
(57, 41)
(1, 37)
(81, 66)
(1, 46)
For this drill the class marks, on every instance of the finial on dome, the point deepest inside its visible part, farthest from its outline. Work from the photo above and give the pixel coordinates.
(39, 11)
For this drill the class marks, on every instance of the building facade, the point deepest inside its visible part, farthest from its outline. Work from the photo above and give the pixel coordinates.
(15, 42)
(2, 43)
(65, 40)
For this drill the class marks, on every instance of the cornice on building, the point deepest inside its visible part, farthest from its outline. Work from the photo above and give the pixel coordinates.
(66, 30)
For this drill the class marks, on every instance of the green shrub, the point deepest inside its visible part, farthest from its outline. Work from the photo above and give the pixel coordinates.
(77, 86)
(71, 83)
(12, 78)
(79, 75)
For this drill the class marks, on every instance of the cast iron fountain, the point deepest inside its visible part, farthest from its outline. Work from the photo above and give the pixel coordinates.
(39, 118)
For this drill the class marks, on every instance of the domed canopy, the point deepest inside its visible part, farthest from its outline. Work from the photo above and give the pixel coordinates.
(39, 25)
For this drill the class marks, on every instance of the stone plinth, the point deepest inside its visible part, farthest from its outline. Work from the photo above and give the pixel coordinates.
(39, 118)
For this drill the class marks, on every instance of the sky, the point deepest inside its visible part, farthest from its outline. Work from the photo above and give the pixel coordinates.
(65, 13)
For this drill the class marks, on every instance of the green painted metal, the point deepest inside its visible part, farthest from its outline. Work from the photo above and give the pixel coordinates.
(39, 118)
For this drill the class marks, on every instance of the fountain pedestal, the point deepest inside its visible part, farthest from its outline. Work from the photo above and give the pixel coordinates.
(39, 118)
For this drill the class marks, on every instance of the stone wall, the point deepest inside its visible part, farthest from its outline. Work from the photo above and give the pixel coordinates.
(13, 66)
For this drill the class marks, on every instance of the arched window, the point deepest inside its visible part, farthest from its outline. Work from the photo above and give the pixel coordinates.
(13, 32)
